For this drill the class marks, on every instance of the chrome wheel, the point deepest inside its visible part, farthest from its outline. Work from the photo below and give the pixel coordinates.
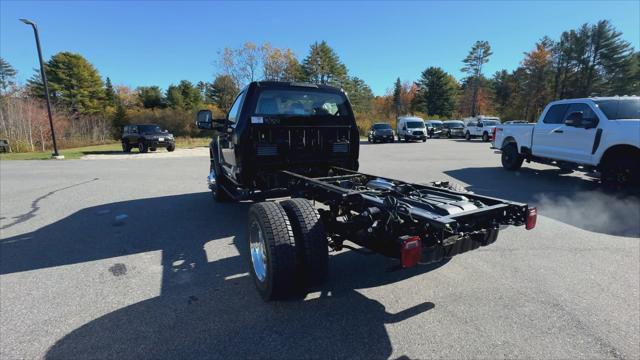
(258, 251)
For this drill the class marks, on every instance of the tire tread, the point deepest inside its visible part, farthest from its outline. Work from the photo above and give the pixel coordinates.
(279, 239)
(311, 240)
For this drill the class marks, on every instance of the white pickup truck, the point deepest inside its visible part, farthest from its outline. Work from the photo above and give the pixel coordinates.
(480, 127)
(601, 134)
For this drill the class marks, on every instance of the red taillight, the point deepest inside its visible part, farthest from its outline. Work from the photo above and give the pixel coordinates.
(411, 251)
(532, 216)
(493, 133)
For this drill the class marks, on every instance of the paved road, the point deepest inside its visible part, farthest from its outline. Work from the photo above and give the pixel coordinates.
(132, 259)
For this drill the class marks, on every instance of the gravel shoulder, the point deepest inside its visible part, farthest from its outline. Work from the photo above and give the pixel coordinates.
(159, 154)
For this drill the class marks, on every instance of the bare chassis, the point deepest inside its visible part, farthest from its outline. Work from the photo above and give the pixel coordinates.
(379, 218)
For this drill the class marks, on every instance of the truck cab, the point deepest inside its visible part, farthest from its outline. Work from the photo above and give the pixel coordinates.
(274, 126)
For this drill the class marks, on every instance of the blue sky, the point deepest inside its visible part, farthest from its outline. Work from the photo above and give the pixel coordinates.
(162, 42)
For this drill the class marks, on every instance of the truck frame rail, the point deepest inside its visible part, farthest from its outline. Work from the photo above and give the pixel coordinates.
(371, 210)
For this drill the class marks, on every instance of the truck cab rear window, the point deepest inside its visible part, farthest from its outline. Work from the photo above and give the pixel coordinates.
(622, 109)
(305, 103)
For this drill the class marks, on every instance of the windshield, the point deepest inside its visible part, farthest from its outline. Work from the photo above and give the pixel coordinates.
(149, 129)
(415, 124)
(381, 126)
(453, 125)
(490, 122)
(620, 109)
(307, 103)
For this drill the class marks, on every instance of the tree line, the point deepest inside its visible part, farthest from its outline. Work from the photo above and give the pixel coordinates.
(590, 60)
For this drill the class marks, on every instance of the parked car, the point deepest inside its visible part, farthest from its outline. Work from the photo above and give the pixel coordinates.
(411, 128)
(600, 134)
(480, 127)
(146, 137)
(434, 128)
(380, 132)
(515, 122)
(453, 128)
(4, 146)
(301, 140)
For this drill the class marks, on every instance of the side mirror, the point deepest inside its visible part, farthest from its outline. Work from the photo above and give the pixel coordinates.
(574, 119)
(204, 120)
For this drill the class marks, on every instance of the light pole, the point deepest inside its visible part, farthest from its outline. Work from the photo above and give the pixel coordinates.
(46, 87)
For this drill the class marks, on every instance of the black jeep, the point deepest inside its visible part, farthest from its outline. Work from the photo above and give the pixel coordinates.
(146, 137)
(301, 140)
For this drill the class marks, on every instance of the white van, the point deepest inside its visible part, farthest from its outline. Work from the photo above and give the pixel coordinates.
(411, 128)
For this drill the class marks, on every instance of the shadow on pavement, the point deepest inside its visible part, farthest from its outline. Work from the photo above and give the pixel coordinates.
(208, 308)
(567, 198)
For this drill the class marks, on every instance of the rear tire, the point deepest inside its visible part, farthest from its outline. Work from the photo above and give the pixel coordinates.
(485, 136)
(152, 149)
(142, 147)
(272, 251)
(467, 136)
(620, 173)
(126, 148)
(170, 148)
(312, 247)
(510, 158)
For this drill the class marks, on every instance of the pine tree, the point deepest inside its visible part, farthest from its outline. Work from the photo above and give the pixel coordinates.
(120, 119)
(397, 98)
(360, 95)
(73, 83)
(7, 76)
(183, 96)
(437, 91)
(109, 93)
(323, 66)
(477, 57)
(223, 92)
(150, 96)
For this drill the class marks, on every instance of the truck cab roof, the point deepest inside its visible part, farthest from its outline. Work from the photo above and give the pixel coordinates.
(293, 84)
(595, 99)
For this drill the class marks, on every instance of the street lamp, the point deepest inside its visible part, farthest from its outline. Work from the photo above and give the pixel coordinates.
(46, 87)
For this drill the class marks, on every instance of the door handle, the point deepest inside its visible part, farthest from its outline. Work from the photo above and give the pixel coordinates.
(558, 131)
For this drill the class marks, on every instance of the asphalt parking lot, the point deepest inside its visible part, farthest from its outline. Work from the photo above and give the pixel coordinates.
(111, 258)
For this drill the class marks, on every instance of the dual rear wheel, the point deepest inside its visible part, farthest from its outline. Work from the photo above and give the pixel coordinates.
(288, 248)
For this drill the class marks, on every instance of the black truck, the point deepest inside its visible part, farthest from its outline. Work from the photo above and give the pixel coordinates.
(301, 140)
